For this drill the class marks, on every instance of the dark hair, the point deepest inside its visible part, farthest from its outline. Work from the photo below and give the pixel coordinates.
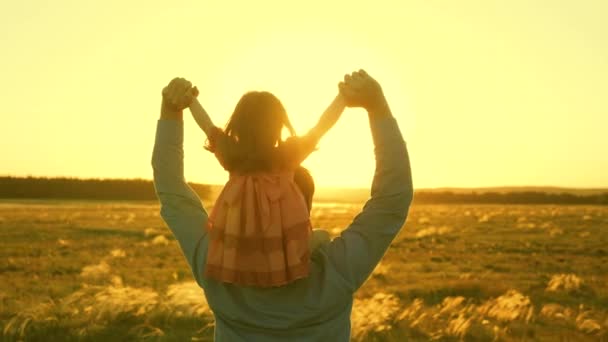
(254, 132)
(306, 183)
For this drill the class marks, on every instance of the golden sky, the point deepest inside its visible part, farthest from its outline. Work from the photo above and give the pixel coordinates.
(487, 93)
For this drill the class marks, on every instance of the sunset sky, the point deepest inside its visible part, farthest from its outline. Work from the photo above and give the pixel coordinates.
(487, 93)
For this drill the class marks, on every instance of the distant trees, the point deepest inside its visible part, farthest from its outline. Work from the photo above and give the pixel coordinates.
(74, 188)
(524, 197)
(141, 189)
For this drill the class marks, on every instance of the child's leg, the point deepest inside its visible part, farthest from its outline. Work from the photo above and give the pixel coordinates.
(318, 237)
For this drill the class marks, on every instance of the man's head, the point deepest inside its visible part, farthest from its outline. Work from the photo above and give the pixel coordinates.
(304, 181)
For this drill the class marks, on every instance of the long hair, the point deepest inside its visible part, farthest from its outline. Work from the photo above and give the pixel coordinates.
(254, 131)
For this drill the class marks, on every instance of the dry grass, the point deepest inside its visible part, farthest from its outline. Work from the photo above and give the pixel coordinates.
(565, 282)
(107, 271)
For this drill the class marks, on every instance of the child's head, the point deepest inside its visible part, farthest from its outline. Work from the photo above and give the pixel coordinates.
(255, 125)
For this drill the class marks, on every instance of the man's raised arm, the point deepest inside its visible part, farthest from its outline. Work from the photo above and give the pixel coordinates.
(357, 251)
(181, 208)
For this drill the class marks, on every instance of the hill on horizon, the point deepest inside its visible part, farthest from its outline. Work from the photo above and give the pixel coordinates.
(142, 189)
(335, 194)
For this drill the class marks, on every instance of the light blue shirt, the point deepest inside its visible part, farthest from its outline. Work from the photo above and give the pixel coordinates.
(316, 308)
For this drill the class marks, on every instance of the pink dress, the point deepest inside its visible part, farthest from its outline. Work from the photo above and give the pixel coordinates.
(259, 228)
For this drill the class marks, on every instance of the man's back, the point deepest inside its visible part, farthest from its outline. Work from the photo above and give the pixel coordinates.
(316, 308)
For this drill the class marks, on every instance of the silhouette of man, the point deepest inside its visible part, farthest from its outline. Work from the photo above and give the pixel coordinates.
(316, 308)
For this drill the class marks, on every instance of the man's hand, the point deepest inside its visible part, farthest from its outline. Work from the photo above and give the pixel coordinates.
(361, 90)
(177, 95)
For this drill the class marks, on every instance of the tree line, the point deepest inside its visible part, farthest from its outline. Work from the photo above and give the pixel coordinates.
(76, 188)
(141, 189)
(523, 197)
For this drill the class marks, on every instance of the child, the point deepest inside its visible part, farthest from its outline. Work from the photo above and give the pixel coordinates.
(259, 229)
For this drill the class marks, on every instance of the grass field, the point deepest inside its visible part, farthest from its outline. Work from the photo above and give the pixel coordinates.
(111, 271)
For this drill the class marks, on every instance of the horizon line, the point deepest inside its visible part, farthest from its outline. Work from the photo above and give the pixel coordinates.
(433, 188)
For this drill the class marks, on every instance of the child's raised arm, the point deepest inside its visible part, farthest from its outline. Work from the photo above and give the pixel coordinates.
(298, 148)
(329, 118)
(200, 115)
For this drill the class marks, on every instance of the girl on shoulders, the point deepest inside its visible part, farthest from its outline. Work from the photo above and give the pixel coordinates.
(259, 229)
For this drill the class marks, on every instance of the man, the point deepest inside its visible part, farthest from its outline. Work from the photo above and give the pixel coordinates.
(318, 307)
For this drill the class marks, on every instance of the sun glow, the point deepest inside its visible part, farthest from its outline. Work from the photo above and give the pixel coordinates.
(305, 79)
(485, 94)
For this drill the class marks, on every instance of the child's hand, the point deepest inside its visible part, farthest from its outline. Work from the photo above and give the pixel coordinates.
(178, 94)
(195, 92)
(361, 90)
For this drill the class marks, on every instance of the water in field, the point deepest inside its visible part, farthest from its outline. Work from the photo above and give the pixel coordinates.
(106, 270)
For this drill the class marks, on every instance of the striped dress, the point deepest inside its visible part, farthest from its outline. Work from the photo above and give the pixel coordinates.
(259, 227)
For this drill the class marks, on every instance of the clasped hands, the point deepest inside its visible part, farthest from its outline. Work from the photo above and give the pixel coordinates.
(358, 90)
